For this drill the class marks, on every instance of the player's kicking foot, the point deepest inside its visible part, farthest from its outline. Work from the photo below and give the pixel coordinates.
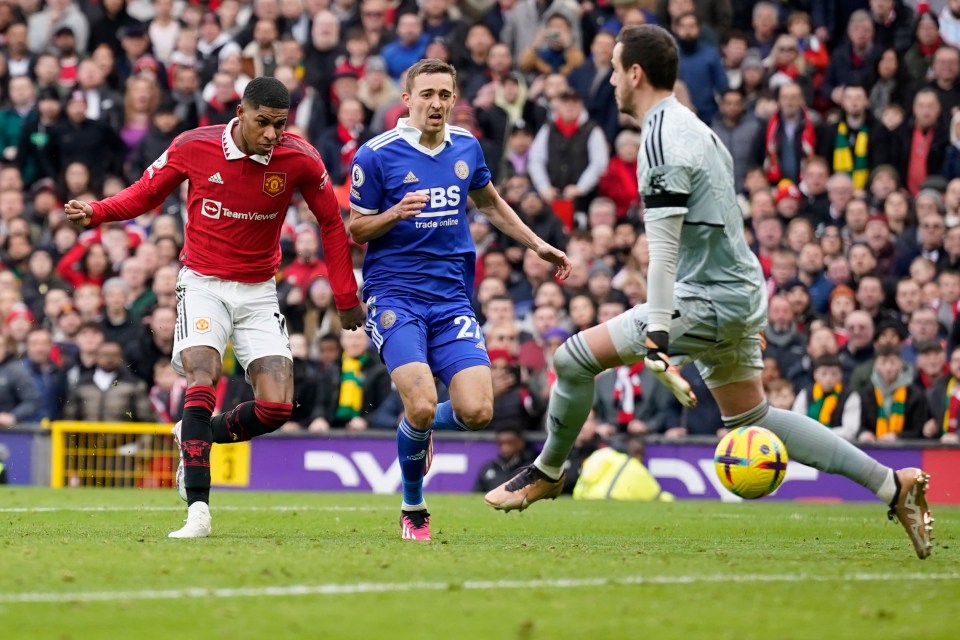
(197, 522)
(679, 387)
(415, 525)
(910, 508)
(524, 489)
(178, 477)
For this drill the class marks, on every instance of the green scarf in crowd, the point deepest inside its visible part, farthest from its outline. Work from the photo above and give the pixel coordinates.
(350, 403)
(856, 163)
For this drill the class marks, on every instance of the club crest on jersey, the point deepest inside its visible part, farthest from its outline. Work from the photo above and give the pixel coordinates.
(274, 183)
(658, 184)
(461, 169)
(357, 176)
(388, 319)
(201, 325)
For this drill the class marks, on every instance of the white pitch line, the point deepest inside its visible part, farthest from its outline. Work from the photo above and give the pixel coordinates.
(470, 585)
(149, 508)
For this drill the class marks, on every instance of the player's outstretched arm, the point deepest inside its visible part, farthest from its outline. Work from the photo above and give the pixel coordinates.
(506, 219)
(157, 182)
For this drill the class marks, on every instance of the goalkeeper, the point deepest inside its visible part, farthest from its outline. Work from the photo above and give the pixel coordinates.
(706, 302)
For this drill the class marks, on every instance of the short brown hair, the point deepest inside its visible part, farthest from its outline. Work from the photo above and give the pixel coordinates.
(654, 49)
(428, 66)
(887, 351)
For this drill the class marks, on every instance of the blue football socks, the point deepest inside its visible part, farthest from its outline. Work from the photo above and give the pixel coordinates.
(412, 453)
(445, 420)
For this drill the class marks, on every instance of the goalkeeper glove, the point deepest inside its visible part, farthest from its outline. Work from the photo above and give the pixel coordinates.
(657, 344)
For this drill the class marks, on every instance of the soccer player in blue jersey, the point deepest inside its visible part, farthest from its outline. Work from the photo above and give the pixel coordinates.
(408, 197)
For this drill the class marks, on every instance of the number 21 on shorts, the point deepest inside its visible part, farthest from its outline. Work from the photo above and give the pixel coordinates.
(469, 328)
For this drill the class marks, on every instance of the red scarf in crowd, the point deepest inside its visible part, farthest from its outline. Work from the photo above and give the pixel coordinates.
(772, 162)
(350, 146)
(627, 391)
(566, 129)
(927, 50)
(789, 70)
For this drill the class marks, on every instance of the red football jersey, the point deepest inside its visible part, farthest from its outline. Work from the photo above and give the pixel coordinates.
(236, 205)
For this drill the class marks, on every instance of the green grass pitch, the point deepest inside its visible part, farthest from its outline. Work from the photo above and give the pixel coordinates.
(97, 564)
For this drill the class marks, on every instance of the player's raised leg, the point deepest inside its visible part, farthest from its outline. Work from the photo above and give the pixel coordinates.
(263, 350)
(201, 365)
(743, 403)
(272, 380)
(577, 363)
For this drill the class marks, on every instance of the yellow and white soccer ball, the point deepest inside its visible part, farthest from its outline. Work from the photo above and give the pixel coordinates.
(751, 462)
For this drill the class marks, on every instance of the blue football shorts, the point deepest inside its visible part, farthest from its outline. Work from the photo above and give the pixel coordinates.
(447, 337)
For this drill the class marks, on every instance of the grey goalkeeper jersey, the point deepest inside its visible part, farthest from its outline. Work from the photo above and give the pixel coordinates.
(683, 169)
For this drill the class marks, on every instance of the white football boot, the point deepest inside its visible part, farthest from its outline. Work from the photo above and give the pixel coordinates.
(197, 522)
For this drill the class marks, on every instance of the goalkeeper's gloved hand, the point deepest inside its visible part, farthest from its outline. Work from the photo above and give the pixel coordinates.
(657, 345)
(659, 364)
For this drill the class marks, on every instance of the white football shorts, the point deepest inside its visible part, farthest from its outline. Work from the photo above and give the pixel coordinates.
(697, 335)
(212, 312)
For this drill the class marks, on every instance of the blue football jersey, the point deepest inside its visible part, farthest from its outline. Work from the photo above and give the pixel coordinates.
(430, 256)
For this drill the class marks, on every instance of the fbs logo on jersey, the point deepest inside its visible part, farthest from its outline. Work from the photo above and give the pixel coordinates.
(461, 169)
(274, 183)
(201, 325)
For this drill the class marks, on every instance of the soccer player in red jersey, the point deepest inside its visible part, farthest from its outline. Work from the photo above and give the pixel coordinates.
(242, 177)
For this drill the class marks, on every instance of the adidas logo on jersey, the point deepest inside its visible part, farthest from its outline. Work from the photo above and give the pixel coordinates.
(215, 178)
(410, 178)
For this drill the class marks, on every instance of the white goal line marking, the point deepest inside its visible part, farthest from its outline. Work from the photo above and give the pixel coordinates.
(153, 508)
(470, 585)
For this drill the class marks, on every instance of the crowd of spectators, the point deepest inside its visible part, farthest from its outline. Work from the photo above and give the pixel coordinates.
(842, 118)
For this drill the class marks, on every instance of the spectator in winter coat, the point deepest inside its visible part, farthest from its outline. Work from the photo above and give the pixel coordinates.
(893, 407)
(736, 129)
(700, 66)
(852, 60)
(619, 183)
(19, 399)
(110, 393)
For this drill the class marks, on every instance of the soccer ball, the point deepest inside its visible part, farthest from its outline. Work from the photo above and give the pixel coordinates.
(751, 462)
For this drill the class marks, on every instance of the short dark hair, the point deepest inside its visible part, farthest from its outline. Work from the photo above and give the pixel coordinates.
(266, 92)
(428, 66)
(888, 351)
(827, 360)
(654, 50)
(91, 325)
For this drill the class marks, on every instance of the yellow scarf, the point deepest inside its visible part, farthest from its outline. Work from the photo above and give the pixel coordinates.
(855, 163)
(951, 406)
(824, 404)
(892, 423)
(350, 403)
